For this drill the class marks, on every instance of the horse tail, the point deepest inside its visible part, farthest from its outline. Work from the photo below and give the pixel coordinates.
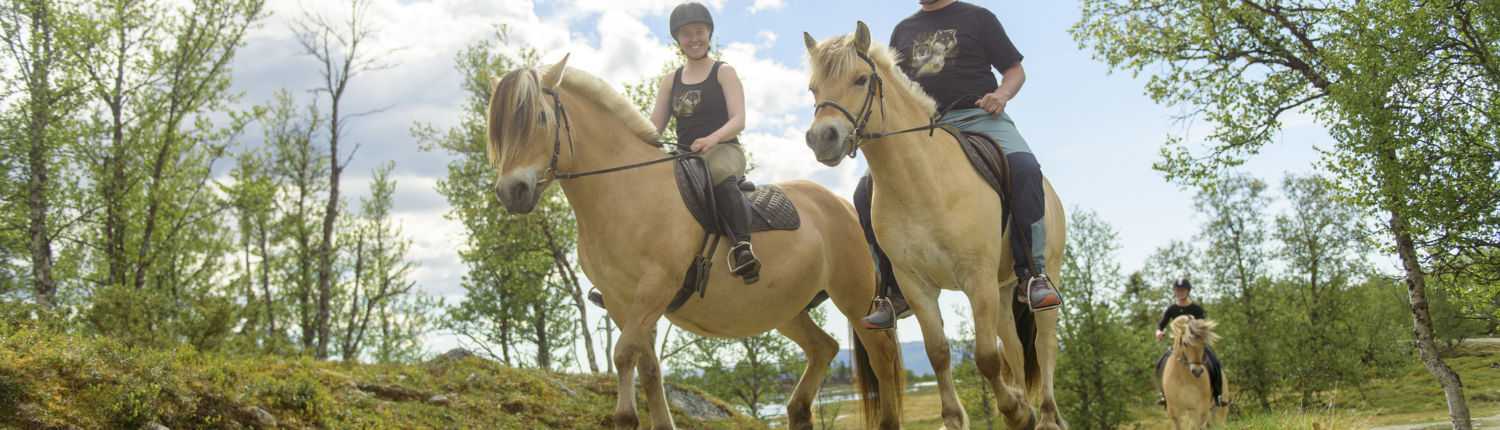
(1026, 330)
(868, 385)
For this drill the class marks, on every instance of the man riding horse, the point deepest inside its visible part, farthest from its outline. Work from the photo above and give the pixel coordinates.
(949, 47)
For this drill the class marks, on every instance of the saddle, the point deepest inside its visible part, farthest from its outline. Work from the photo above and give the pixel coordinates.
(772, 210)
(985, 154)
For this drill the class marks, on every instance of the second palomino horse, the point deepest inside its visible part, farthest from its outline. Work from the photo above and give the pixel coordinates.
(939, 222)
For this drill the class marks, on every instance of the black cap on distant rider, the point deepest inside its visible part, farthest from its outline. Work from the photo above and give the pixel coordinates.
(1182, 283)
(690, 13)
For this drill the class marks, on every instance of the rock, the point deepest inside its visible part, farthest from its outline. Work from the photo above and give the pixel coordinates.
(30, 407)
(154, 426)
(454, 355)
(565, 389)
(259, 418)
(694, 405)
(439, 400)
(392, 392)
(472, 377)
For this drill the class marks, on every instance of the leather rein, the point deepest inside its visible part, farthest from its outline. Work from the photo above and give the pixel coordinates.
(876, 90)
(562, 122)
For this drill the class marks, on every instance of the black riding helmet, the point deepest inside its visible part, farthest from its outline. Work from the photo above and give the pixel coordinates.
(1182, 283)
(690, 13)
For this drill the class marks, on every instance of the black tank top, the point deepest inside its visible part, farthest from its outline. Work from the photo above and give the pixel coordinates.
(699, 108)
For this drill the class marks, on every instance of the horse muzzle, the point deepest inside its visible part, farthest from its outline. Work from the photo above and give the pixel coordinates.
(829, 141)
(519, 195)
(1197, 370)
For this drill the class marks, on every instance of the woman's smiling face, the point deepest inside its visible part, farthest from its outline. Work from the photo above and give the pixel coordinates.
(693, 39)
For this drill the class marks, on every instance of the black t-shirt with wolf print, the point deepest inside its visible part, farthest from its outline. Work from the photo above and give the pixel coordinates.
(699, 108)
(950, 51)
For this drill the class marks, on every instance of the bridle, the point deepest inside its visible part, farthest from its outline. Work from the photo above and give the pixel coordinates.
(560, 123)
(876, 90)
(1181, 356)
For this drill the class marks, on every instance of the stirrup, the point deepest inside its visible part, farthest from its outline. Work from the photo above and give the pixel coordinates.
(875, 307)
(1054, 300)
(750, 271)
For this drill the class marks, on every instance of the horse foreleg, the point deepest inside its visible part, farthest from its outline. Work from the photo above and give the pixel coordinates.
(636, 342)
(820, 350)
(925, 308)
(987, 313)
(1046, 354)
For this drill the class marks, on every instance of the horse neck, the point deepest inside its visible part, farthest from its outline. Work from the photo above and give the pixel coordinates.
(601, 141)
(907, 158)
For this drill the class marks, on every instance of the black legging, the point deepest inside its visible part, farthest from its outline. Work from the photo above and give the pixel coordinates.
(1210, 363)
(1028, 202)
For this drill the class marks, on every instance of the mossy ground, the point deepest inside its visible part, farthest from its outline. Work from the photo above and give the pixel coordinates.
(58, 381)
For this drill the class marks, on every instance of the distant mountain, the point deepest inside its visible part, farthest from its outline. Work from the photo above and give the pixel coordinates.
(913, 353)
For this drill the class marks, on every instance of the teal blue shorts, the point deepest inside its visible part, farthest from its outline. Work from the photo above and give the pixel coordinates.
(999, 127)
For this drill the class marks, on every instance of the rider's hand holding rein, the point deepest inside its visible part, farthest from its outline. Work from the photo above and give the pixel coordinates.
(1159, 333)
(1010, 84)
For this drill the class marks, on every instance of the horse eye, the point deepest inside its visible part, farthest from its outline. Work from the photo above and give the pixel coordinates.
(861, 81)
(541, 117)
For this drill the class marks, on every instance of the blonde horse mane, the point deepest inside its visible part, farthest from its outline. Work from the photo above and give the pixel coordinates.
(530, 108)
(836, 57)
(1195, 332)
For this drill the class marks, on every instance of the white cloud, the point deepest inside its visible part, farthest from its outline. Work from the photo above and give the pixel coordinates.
(761, 5)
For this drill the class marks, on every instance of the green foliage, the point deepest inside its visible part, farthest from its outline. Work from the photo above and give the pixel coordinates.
(1452, 322)
(1102, 368)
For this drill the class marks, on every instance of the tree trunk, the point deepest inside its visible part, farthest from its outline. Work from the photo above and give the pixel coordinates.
(1416, 288)
(609, 345)
(325, 249)
(40, 105)
(265, 283)
(543, 344)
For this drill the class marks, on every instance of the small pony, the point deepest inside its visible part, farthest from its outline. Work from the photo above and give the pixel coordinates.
(1184, 382)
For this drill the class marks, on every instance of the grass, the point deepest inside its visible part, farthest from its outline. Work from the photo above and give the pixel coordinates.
(1410, 398)
(59, 381)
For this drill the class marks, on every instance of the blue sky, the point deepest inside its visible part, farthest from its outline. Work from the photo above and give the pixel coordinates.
(1094, 133)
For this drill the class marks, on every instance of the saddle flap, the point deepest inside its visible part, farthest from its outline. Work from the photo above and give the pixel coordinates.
(772, 209)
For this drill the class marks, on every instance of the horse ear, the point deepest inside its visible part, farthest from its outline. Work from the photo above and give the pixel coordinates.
(494, 82)
(862, 38)
(811, 43)
(554, 74)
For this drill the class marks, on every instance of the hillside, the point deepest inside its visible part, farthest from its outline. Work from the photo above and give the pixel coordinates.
(52, 381)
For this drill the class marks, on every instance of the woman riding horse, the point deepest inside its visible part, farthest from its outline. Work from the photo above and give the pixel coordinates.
(1185, 306)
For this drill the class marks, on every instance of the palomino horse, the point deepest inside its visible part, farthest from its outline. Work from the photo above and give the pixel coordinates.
(1185, 381)
(636, 239)
(939, 222)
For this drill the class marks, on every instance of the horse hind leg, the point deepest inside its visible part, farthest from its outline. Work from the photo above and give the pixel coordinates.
(820, 349)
